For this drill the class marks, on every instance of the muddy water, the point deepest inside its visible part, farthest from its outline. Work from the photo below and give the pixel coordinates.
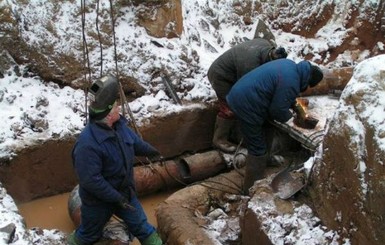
(52, 212)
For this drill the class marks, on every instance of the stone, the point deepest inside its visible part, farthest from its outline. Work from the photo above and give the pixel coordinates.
(10, 232)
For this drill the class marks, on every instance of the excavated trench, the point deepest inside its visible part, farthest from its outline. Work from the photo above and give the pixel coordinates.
(46, 170)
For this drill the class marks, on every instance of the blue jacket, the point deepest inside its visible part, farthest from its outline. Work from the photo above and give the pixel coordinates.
(100, 160)
(268, 91)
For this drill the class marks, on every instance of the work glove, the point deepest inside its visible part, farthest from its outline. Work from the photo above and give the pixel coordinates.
(155, 156)
(125, 204)
(279, 53)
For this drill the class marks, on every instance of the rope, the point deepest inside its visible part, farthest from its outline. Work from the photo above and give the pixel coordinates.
(175, 178)
(86, 60)
(162, 162)
(122, 95)
(154, 170)
(99, 38)
(235, 154)
(114, 38)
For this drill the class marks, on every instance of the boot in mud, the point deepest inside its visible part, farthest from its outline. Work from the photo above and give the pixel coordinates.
(255, 170)
(73, 240)
(221, 133)
(153, 239)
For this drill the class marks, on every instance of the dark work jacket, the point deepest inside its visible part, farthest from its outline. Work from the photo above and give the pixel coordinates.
(100, 162)
(269, 91)
(228, 68)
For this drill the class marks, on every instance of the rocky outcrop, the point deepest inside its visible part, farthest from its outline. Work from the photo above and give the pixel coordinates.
(355, 20)
(163, 19)
(63, 63)
(60, 56)
(349, 182)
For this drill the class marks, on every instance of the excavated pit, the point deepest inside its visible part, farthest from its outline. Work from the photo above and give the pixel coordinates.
(25, 176)
(46, 169)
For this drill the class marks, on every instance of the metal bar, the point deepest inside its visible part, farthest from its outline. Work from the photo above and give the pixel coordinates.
(170, 89)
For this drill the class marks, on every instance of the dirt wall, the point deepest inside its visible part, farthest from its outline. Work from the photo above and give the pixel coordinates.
(46, 169)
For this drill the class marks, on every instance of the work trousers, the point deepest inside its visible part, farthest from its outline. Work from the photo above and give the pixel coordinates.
(258, 138)
(95, 217)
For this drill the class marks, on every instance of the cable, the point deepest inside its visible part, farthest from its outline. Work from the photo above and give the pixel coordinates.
(86, 60)
(99, 38)
(122, 95)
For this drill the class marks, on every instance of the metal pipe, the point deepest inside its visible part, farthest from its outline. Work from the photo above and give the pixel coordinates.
(334, 80)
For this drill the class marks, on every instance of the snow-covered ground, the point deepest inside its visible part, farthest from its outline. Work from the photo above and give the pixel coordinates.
(34, 110)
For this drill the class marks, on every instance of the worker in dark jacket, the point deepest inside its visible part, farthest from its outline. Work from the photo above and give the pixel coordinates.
(267, 93)
(103, 158)
(229, 68)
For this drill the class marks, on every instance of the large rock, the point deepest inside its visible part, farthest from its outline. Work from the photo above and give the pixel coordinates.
(349, 184)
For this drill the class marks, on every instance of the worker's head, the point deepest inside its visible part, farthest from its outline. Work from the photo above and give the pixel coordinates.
(316, 75)
(277, 53)
(103, 94)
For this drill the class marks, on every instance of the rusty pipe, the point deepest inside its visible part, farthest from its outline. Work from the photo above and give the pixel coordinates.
(334, 79)
(172, 174)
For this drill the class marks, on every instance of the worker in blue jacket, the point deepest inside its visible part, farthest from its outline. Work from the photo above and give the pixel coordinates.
(103, 158)
(267, 93)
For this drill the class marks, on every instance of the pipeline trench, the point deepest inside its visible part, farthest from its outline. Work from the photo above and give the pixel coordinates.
(46, 170)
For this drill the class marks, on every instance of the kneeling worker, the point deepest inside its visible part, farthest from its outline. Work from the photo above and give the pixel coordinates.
(103, 158)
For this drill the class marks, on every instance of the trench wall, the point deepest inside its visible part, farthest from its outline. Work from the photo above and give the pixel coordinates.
(46, 169)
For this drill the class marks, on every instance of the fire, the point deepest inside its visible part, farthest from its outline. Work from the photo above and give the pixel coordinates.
(301, 107)
(302, 118)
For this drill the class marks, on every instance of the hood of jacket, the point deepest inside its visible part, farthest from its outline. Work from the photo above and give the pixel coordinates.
(304, 71)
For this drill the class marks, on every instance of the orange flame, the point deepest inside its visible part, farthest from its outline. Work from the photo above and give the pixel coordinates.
(303, 104)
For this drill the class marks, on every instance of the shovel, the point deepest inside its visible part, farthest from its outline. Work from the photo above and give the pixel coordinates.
(285, 184)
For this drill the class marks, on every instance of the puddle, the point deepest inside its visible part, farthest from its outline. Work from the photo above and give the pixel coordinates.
(48, 213)
(52, 212)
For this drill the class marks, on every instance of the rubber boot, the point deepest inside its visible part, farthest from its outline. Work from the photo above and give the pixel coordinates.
(255, 170)
(153, 239)
(73, 240)
(221, 134)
